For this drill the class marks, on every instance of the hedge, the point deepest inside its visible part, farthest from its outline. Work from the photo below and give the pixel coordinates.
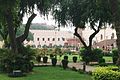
(106, 73)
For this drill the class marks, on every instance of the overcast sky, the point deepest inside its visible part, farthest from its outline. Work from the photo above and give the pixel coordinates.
(49, 21)
(40, 19)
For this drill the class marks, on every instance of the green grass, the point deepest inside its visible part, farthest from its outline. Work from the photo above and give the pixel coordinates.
(50, 73)
(108, 59)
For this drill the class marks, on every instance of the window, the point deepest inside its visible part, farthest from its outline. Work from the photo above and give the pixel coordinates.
(48, 39)
(43, 39)
(53, 39)
(103, 47)
(112, 46)
(37, 39)
(58, 39)
(63, 39)
(101, 36)
(112, 37)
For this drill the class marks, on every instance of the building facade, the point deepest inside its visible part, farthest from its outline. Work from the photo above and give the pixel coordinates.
(50, 37)
(105, 39)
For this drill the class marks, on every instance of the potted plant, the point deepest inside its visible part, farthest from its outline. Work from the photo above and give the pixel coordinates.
(38, 58)
(74, 59)
(51, 56)
(65, 62)
(45, 59)
(54, 61)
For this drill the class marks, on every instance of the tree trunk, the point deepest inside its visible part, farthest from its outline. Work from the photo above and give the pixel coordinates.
(27, 27)
(11, 32)
(117, 28)
(116, 22)
(80, 37)
(21, 38)
(96, 31)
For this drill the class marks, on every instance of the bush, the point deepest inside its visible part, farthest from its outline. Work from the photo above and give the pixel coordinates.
(54, 61)
(85, 55)
(65, 63)
(51, 56)
(66, 57)
(115, 55)
(74, 59)
(107, 54)
(95, 55)
(38, 58)
(22, 61)
(45, 59)
(106, 73)
(102, 62)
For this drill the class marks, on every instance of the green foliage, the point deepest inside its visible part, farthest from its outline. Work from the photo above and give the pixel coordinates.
(115, 55)
(74, 59)
(80, 12)
(58, 51)
(95, 55)
(37, 26)
(85, 56)
(10, 61)
(20, 31)
(106, 73)
(41, 52)
(102, 62)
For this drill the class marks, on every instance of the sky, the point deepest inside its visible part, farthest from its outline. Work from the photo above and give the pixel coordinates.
(40, 19)
(48, 21)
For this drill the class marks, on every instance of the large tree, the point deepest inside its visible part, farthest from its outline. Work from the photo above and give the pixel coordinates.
(96, 13)
(115, 10)
(12, 13)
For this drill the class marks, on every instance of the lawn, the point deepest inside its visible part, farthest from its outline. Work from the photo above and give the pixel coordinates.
(108, 58)
(50, 73)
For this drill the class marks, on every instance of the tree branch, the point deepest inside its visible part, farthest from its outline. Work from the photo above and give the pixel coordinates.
(27, 27)
(92, 26)
(10, 26)
(80, 38)
(93, 35)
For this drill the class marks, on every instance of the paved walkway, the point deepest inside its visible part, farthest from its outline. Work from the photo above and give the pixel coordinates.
(78, 65)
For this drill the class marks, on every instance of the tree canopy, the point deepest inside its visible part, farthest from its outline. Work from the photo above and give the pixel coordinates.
(96, 13)
(12, 13)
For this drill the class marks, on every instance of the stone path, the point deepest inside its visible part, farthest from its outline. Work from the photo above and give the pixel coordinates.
(78, 65)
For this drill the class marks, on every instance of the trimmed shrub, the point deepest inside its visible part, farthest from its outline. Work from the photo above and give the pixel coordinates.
(102, 62)
(85, 55)
(54, 61)
(51, 56)
(66, 57)
(38, 58)
(74, 59)
(94, 55)
(45, 59)
(115, 55)
(65, 63)
(97, 54)
(106, 73)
